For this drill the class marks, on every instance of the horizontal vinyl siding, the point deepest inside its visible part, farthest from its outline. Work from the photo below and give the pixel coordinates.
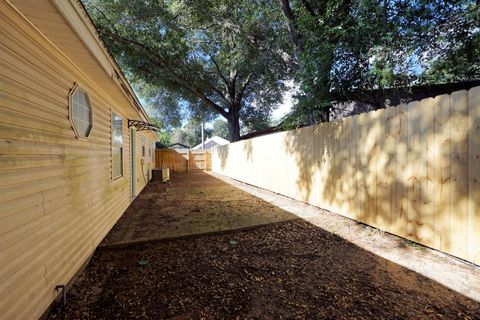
(57, 198)
(148, 164)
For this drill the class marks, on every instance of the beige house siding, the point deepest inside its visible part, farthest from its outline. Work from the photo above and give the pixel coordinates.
(144, 164)
(57, 197)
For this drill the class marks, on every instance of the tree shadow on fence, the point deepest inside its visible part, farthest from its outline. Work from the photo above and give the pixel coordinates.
(220, 154)
(412, 170)
(403, 169)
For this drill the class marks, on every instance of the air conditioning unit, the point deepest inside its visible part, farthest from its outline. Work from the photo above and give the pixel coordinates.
(162, 175)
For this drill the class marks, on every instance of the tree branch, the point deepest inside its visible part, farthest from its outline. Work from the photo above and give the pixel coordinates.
(175, 78)
(292, 23)
(219, 92)
(308, 7)
(244, 87)
(218, 69)
(233, 79)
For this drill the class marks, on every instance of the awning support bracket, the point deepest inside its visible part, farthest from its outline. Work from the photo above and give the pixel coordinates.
(142, 125)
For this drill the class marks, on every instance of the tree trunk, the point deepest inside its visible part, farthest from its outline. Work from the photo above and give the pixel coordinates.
(234, 124)
(292, 23)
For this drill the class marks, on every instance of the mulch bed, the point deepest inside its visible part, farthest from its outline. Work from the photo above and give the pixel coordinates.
(291, 270)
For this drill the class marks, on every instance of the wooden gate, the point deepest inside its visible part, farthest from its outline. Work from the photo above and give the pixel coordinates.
(183, 160)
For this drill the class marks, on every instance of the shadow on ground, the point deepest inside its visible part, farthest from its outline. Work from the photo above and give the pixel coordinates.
(288, 269)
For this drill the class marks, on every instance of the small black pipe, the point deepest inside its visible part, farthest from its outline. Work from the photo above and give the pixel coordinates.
(64, 293)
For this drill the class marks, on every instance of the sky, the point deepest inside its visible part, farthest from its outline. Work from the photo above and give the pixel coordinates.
(283, 108)
(287, 103)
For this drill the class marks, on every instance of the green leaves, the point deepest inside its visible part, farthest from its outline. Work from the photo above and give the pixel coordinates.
(217, 54)
(359, 45)
(220, 128)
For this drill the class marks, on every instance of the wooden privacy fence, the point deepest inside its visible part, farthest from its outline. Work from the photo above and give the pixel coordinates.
(183, 160)
(412, 170)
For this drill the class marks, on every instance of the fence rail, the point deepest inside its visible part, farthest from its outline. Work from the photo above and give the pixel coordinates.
(412, 170)
(183, 160)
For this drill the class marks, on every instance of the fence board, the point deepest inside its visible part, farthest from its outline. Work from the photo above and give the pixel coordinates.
(336, 194)
(426, 205)
(371, 179)
(434, 169)
(390, 172)
(402, 169)
(350, 186)
(459, 172)
(348, 183)
(413, 185)
(356, 203)
(319, 149)
(381, 213)
(330, 174)
(442, 135)
(474, 176)
(363, 192)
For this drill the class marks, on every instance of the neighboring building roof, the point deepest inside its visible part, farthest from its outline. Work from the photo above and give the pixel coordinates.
(212, 142)
(263, 132)
(178, 144)
(395, 96)
(369, 100)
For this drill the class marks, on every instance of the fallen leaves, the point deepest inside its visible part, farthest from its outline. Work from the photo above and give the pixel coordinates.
(288, 270)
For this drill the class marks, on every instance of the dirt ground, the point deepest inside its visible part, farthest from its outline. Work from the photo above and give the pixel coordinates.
(454, 273)
(192, 203)
(292, 269)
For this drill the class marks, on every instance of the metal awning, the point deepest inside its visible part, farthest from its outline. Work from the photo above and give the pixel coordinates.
(142, 125)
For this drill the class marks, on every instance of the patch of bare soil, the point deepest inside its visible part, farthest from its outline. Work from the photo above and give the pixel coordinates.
(291, 270)
(192, 203)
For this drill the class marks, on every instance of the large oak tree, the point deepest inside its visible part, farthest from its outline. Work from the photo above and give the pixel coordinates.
(230, 56)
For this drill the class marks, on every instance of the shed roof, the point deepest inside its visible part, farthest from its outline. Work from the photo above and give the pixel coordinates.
(216, 140)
